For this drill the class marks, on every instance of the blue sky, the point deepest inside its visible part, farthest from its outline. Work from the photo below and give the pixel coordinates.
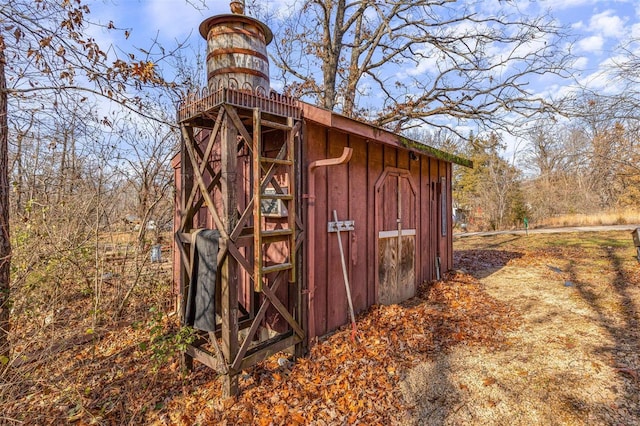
(597, 27)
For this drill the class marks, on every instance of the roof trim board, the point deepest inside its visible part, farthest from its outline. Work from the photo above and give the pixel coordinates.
(372, 133)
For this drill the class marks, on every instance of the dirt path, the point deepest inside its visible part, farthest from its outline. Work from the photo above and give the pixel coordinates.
(574, 360)
(601, 228)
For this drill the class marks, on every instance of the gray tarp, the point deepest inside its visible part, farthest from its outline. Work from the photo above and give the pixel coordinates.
(200, 311)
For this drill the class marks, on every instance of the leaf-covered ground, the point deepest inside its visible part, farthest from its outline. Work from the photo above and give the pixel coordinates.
(528, 330)
(342, 382)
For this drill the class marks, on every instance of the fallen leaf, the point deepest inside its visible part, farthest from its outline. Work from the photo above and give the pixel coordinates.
(488, 381)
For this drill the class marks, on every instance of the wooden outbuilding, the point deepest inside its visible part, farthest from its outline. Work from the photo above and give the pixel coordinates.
(268, 172)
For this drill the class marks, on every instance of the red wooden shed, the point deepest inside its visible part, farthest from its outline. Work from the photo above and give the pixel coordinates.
(267, 173)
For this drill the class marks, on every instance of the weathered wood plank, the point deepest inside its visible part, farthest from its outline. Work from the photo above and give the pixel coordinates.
(357, 261)
(186, 185)
(229, 268)
(387, 270)
(255, 325)
(204, 190)
(283, 311)
(407, 268)
(205, 357)
(274, 348)
(337, 199)
(238, 124)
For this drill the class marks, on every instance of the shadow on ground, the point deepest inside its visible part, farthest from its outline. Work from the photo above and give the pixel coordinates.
(618, 314)
(483, 262)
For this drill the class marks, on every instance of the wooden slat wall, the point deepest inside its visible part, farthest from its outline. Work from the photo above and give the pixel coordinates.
(433, 236)
(415, 168)
(357, 259)
(449, 243)
(338, 192)
(375, 167)
(349, 189)
(423, 261)
(316, 146)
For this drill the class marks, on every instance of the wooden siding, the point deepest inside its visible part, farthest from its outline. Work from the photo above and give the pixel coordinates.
(350, 189)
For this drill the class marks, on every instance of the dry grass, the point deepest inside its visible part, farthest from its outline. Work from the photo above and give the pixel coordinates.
(617, 217)
(574, 360)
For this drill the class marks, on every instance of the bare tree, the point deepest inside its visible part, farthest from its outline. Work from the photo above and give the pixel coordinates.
(146, 149)
(45, 54)
(5, 241)
(420, 61)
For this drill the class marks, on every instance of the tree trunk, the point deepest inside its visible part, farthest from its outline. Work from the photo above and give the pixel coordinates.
(62, 178)
(5, 242)
(20, 172)
(354, 76)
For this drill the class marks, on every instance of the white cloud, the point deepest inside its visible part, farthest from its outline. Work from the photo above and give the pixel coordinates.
(602, 82)
(607, 24)
(613, 61)
(426, 65)
(591, 44)
(464, 130)
(565, 4)
(581, 63)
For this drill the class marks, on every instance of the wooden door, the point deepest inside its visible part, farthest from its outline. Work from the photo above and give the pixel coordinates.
(396, 236)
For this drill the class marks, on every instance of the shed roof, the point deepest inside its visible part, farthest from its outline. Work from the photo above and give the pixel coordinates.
(370, 132)
(325, 117)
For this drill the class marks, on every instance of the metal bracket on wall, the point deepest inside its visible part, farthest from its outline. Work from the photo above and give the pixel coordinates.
(341, 225)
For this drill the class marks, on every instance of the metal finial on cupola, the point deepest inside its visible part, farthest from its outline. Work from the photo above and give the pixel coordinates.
(237, 7)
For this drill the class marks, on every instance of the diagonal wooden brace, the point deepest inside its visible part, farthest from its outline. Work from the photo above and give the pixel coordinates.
(203, 189)
(283, 310)
(255, 324)
(204, 164)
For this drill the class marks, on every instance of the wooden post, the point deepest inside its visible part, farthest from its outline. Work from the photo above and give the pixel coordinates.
(229, 269)
(186, 184)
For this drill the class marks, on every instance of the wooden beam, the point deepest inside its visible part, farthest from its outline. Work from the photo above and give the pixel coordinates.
(184, 256)
(268, 177)
(205, 156)
(246, 215)
(283, 310)
(219, 355)
(292, 191)
(205, 194)
(248, 211)
(238, 123)
(193, 209)
(257, 204)
(206, 165)
(214, 181)
(233, 251)
(229, 268)
(205, 357)
(186, 184)
(255, 325)
(274, 348)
